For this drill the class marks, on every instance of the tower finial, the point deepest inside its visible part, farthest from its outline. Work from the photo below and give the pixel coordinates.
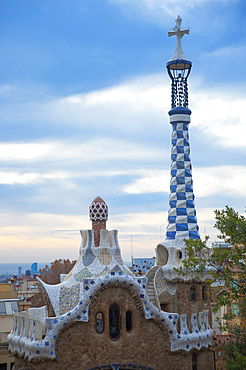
(177, 31)
(179, 68)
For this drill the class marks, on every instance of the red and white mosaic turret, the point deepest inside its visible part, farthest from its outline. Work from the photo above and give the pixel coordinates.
(98, 212)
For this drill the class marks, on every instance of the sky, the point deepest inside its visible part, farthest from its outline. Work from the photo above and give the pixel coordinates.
(84, 101)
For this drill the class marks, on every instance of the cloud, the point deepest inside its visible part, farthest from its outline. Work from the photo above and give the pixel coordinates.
(220, 113)
(138, 105)
(45, 237)
(129, 106)
(152, 182)
(91, 151)
(12, 178)
(159, 10)
(208, 181)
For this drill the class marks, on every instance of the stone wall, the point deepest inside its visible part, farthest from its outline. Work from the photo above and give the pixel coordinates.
(148, 343)
(181, 302)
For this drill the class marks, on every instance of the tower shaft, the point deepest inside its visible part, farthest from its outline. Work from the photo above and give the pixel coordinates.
(182, 221)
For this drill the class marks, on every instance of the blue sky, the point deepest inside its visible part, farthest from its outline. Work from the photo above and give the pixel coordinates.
(84, 96)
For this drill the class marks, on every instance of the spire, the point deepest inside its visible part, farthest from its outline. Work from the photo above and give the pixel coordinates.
(177, 31)
(179, 68)
(182, 222)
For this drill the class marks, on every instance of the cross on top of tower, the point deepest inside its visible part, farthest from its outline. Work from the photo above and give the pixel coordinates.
(177, 31)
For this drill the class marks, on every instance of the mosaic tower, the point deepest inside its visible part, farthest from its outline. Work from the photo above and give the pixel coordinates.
(182, 221)
(98, 212)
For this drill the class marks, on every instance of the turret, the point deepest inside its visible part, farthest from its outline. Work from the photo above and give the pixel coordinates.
(98, 212)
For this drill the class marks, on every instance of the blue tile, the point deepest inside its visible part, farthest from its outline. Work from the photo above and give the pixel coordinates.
(180, 180)
(181, 211)
(182, 227)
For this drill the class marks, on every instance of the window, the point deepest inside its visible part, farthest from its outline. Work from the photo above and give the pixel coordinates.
(3, 366)
(99, 323)
(235, 309)
(194, 361)
(2, 308)
(114, 322)
(204, 293)
(128, 321)
(193, 294)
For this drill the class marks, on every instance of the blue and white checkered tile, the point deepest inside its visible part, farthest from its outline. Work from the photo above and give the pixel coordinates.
(182, 221)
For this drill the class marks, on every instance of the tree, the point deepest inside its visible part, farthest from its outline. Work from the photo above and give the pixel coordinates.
(51, 275)
(225, 263)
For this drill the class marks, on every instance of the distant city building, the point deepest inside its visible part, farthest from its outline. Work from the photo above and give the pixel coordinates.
(19, 270)
(34, 268)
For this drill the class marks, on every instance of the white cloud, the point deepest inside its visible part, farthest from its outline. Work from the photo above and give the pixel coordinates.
(226, 180)
(152, 182)
(139, 105)
(129, 106)
(12, 178)
(45, 237)
(230, 51)
(221, 113)
(144, 102)
(161, 10)
(94, 150)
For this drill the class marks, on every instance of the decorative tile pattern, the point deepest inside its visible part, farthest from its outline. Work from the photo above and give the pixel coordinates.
(94, 262)
(162, 284)
(182, 221)
(98, 210)
(85, 273)
(105, 257)
(46, 346)
(69, 298)
(88, 256)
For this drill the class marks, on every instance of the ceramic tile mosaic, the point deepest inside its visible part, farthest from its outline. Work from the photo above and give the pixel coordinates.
(182, 221)
(105, 257)
(34, 347)
(161, 284)
(93, 261)
(85, 273)
(69, 298)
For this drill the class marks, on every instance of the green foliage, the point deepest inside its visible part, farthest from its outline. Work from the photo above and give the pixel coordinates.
(226, 264)
(235, 350)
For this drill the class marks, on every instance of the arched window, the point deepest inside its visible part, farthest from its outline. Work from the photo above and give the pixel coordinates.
(114, 322)
(192, 294)
(128, 321)
(194, 361)
(99, 323)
